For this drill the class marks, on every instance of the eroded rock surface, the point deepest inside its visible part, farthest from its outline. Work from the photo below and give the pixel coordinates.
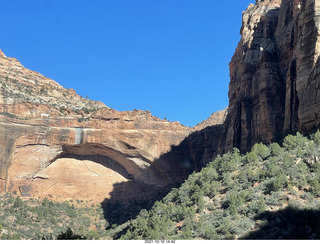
(274, 83)
(274, 79)
(56, 143)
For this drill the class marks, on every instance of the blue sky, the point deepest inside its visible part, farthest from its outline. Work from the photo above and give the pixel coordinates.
(167, 56)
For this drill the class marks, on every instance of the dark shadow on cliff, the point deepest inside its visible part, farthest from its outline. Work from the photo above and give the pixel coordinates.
(203, 146)
(192, 154)
(129, 198)
(287, 224)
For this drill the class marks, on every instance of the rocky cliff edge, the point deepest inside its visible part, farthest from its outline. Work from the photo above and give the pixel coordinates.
(54, 143)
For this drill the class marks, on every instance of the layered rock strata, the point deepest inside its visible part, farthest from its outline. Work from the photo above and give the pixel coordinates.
(57, 144)
(274, 73)
(274, 82)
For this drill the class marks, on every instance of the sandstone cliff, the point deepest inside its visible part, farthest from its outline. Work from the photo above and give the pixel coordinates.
(216, 118)
(274, 82)
(56, 143)
(274, 73)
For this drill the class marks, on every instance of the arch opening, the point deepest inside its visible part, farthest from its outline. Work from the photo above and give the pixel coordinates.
(88, 171)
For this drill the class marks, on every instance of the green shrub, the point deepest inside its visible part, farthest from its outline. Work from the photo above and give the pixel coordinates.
(211, 206)
(69, 235)
(307, 196)
(276, 150)
(261, 150)
(210, 233)
(315, 187)
(295, 142)
(279, 182)
(275, 199)
(252, 158)
(316, 138)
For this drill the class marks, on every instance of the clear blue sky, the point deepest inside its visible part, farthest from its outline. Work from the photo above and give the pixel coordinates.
(167, 56)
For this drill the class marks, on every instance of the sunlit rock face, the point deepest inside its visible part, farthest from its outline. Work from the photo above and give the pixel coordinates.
(274, 79)
(274, 82)
(54, 143)
(216, 118)
(86, 177)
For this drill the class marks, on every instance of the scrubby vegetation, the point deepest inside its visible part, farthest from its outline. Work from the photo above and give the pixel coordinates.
(271, 192)
(45, 219)
(31, 89)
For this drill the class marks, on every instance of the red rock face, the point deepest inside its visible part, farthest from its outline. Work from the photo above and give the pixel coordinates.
(255, 89)
(58, 144)
(274, 82)
(274, 73)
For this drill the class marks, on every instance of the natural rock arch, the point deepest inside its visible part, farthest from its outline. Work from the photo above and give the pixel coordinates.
(84, 171)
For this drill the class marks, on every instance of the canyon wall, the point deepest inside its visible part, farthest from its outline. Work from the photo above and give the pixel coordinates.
(274, 83)
(274, 73)
(54, 143)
